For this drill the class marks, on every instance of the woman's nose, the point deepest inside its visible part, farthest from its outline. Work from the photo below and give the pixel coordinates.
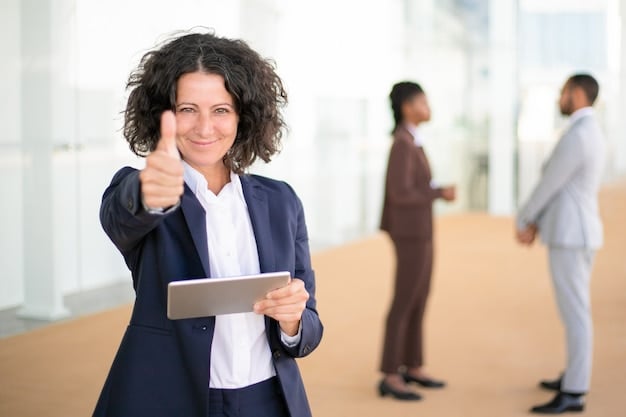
(204, 125)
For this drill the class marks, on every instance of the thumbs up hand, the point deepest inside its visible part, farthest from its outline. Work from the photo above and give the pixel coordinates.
(167, 143)
(162, 178)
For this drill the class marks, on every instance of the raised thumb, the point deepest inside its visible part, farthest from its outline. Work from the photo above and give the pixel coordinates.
(167, 142)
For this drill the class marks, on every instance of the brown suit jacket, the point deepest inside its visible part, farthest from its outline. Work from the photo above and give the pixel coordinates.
(408, 205)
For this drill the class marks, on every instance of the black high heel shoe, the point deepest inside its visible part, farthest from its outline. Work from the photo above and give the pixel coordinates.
(424, 382)
(385, 389)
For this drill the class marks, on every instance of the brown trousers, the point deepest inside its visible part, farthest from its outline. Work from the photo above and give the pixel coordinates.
(404, 337)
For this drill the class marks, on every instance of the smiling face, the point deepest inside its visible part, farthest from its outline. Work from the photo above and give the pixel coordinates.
(206, 120)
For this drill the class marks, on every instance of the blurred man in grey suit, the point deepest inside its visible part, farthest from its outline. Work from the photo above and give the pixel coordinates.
(563, 208)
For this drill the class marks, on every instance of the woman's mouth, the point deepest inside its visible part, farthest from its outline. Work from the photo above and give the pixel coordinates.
(203, 142)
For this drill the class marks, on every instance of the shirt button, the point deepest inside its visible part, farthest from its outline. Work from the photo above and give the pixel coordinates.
(276, 354)
(204, 328)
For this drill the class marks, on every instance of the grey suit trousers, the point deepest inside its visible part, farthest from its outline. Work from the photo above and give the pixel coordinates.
(571, 274)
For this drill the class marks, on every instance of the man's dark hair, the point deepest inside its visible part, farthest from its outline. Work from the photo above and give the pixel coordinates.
(256, 89)
(400, 94)
(588, 84)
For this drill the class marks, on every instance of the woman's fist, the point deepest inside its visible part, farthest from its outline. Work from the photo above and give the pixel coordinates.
(162, 181)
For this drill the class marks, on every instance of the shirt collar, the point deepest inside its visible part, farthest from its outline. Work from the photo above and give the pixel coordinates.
(198, 184)
(579, 114)
(417, 137)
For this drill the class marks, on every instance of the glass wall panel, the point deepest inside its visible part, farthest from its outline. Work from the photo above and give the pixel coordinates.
(558, 39)
(492, 71)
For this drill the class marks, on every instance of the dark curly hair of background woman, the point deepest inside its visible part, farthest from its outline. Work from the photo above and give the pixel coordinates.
(256, 89)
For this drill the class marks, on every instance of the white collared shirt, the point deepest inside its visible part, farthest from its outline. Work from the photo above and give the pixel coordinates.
(240, 353)
(579, 114)
(414, 131)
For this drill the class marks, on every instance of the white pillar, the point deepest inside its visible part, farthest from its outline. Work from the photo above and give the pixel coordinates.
(42, 290)
(620, 143)
(503, 96)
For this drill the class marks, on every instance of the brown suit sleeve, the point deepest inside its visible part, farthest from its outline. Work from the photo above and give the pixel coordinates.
(402, 188)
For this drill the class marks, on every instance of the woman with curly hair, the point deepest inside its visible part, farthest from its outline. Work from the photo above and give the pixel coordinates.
(202, 109)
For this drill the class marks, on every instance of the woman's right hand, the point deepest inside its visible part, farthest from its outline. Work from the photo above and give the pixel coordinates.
(162, 181)
(449, 193)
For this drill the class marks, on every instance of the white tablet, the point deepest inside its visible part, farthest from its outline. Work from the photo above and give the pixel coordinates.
(213, 296)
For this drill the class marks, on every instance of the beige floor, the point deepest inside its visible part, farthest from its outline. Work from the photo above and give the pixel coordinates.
(493, 331)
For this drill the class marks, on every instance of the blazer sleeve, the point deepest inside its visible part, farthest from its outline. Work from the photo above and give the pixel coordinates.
(312, 328)
(565, 160)
(401, 188)
(122, 214)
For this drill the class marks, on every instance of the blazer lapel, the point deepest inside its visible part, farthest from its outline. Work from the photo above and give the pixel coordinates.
(197, 330)
(196, 222)
(258, 207)
(403, 134)
(424, 162)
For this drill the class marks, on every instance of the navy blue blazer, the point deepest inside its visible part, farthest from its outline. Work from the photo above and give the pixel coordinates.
(162, 365)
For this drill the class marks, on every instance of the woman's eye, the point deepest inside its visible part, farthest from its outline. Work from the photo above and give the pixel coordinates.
(221, 110)
(186, 109)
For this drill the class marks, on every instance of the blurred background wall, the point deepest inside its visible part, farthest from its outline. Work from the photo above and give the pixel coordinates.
(492, 70)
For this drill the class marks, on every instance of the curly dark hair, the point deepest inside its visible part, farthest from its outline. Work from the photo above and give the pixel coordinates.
(257, 92)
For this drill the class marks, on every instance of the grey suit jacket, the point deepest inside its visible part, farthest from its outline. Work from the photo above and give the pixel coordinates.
(564, 204)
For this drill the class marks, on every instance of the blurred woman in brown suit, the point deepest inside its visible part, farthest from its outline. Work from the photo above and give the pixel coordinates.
(408, 218)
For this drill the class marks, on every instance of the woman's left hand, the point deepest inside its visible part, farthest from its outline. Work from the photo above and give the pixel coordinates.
(285, 305)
